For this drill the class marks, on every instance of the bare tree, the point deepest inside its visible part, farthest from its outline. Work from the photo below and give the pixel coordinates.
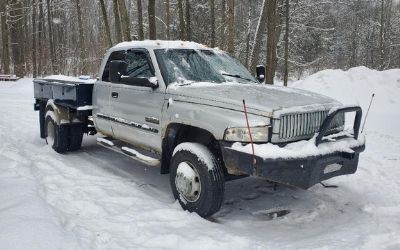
(140, 19)
(271, 42)
(4, 36)
(41, 36)
(125, 23)
(167, 19)
(82, 51)
(17, 36)
(260, 31)
(117, 21)
(231, 26)
(182, 28)
(34, 62)
(106, 23)
(50, 37)
(286, 74)
(188, 25)
(212, 14)
(152, 20)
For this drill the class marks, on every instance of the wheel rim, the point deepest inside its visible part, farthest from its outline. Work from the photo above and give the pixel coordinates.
(50, 133)
(187, 182)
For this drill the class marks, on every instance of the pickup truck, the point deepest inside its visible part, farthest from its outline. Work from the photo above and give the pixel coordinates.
(202, 117)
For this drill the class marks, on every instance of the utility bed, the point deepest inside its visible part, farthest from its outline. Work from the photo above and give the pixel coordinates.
(71, 92)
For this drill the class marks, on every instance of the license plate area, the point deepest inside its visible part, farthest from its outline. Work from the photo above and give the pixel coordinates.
(332, 168)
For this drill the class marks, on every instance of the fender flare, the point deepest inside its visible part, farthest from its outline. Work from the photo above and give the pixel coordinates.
(61, 114)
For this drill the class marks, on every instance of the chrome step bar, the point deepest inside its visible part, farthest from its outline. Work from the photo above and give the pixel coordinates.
(128, 151)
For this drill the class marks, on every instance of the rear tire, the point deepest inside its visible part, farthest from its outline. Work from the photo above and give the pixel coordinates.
(75, 137)
(197, 179)
(55, 136)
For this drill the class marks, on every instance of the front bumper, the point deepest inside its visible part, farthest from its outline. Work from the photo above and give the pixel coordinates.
(302, 172)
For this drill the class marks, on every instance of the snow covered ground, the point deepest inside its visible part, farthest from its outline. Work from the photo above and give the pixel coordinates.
(96, 199)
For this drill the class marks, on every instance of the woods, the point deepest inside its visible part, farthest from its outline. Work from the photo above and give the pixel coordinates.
(291, 37)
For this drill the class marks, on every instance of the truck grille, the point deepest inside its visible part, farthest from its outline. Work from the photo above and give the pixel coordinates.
(305, 125)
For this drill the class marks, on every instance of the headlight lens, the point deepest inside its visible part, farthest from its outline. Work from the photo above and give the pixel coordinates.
(259, 134)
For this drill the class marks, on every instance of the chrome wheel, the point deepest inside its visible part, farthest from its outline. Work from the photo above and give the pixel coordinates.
(50, 133)
(187, 182)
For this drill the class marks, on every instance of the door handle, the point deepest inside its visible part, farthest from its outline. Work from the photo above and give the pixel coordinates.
(114, 94)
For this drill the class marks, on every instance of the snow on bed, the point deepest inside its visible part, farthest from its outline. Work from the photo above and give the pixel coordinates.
(63, 78)
(96, 199)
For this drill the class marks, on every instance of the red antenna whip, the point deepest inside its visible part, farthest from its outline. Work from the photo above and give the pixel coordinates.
(248, 127)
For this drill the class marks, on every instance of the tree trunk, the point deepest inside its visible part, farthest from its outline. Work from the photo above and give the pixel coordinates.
(17, 37)
(271, 42)
(249, 22)
(4, 36)
(34, 55)
(167, 21)
(41, 37)
(152, 20)
(181, 21)
(125, 23)
(188, 25)
(106, 23)
(231, 26)
(222, 42)
(381, 36)
(260, 30)
(286, 74)
(50, 37)
(82, 50)
(117, 21)
(212, 14)
(140, 19)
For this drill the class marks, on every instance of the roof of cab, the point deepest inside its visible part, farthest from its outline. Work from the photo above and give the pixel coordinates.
(158, 44)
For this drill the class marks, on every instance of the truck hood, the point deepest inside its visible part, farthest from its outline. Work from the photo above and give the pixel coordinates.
(261, 99)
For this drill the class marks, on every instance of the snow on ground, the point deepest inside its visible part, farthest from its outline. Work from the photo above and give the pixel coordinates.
(97, 199)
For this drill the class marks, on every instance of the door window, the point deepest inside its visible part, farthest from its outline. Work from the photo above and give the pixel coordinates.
(139, 64)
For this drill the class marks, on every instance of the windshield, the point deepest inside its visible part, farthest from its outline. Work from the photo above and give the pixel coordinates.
(185, 66)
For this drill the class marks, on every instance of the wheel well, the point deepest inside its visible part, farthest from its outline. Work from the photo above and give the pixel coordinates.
(178, 133)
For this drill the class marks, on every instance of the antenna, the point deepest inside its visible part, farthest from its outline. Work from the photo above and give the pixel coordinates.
(365, 120)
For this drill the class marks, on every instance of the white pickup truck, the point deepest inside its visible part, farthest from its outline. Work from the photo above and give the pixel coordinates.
(200, 116)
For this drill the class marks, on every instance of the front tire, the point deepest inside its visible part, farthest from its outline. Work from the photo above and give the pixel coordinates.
(197, 179)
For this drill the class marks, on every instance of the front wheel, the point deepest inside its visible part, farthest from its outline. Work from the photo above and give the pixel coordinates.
(197, 179)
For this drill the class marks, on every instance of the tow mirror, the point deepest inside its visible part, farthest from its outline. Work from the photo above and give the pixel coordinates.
(260, 73)
(118, 68)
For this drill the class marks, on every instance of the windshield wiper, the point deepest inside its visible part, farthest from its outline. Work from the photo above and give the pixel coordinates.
(237, 76)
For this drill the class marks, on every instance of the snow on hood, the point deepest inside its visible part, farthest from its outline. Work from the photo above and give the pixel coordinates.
(265, 98)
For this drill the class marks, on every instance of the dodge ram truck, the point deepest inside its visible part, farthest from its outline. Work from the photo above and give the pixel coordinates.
(201, 117)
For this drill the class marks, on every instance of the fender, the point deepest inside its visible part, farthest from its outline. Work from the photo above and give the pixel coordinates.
(61, 114)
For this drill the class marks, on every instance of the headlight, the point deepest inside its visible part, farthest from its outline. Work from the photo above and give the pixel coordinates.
(259, 134)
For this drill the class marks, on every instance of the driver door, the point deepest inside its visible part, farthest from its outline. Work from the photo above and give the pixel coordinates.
(137, 109)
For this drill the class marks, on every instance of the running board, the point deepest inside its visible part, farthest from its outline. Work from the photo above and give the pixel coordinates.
(127, 151)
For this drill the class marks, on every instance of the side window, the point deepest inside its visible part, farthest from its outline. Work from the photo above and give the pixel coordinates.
(116, 55)
(139, 64)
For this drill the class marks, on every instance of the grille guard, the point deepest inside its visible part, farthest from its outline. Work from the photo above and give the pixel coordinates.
(332, 114)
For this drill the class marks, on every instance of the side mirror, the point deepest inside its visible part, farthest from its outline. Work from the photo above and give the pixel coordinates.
(151, 82)
(118, 68)
(260, 73)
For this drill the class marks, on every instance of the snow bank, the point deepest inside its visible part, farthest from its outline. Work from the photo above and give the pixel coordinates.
(356, 86)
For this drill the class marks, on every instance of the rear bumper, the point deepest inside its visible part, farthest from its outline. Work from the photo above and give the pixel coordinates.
(302, 171)
(299, 172)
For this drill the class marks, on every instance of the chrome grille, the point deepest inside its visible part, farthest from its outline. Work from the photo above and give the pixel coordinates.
(305, 125)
